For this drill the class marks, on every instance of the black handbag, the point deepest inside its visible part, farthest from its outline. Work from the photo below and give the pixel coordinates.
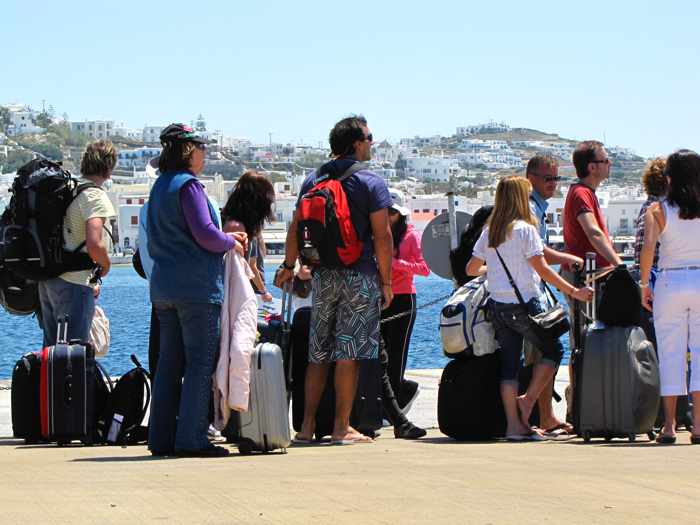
(550, 324)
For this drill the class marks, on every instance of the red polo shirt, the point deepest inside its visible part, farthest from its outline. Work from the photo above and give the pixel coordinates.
(582, 199)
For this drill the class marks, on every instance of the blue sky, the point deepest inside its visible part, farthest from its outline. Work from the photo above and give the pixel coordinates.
(624, 71)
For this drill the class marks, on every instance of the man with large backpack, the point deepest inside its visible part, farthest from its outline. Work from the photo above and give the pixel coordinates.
(341, 228)
(73, 293)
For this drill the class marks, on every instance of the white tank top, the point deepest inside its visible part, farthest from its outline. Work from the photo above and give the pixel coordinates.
(680, 241)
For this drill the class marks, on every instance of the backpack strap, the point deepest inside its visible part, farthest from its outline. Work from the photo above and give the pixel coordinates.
(357, 166)
(80, 188)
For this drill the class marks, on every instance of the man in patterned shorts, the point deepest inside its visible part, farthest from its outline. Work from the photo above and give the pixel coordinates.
(347, 301)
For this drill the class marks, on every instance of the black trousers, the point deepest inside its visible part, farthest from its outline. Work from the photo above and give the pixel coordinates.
(397, 336)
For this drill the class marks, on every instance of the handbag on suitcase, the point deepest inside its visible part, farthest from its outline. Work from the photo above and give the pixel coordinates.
(367, 410)
(616, 378)
(68, 391)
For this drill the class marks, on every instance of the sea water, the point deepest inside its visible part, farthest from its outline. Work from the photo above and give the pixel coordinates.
(125, 300)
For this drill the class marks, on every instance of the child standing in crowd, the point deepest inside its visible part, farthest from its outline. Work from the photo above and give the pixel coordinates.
(247, 209)
(407, 262)
(512, 230)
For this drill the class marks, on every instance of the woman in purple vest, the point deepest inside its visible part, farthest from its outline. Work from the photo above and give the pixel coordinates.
(186, 287)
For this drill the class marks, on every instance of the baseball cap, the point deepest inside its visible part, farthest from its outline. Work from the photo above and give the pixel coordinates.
(181, 133)
(401, 209)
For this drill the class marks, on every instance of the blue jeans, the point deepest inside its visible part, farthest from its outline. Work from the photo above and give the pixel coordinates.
(59, 298)
(189, 349)
(512, 324)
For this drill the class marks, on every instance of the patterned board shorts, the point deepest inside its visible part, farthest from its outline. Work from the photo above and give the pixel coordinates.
(345, 316)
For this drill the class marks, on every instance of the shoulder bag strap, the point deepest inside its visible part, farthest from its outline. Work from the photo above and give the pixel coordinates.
(510, 278)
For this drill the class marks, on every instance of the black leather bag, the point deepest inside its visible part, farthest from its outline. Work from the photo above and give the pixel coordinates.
(550, 324)
(620, 299)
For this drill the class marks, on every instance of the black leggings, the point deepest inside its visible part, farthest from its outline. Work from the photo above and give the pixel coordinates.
(397, 336)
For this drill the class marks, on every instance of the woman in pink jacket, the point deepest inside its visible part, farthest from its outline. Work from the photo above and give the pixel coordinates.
(407, 262)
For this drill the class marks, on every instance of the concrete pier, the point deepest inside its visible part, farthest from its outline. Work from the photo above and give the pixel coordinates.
(433, 480)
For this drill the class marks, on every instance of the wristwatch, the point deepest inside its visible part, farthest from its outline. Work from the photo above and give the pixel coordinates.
(287, 266)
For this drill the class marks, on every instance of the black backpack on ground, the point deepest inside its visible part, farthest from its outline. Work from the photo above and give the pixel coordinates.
(31, 228)
(620, 299)
(127, 406)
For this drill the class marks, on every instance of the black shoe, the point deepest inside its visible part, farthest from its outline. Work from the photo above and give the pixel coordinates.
(209, 452)
(409, 431)
(409, 393)
(694, 440)
(162, 453)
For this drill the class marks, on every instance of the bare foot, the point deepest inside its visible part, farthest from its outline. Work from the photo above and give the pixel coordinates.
(350, 436)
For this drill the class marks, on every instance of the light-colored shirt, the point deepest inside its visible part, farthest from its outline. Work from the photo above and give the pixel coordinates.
(524, 242)
(538, 207)
(679, 243)
(89, 204)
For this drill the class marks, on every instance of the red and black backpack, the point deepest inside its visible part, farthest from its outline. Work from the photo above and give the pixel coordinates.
(326, 235)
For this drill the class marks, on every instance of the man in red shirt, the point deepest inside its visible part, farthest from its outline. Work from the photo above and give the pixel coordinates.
(584, 224)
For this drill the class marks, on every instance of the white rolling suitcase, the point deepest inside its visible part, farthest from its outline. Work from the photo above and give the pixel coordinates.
(265, 426)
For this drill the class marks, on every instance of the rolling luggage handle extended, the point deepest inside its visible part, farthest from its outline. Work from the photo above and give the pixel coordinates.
(286, 315)
(590, 280)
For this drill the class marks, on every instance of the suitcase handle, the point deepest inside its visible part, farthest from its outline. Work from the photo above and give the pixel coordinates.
(285, 343)
(62, 330)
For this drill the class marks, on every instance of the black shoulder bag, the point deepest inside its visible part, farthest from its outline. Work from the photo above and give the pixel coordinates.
(551, 324)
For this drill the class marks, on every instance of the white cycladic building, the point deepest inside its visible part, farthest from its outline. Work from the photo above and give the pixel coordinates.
(22, 120)
(151, 134)
(136, 158)
(431, 168)
(95, 129)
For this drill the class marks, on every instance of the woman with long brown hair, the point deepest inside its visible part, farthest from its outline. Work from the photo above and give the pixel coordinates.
(512, 234)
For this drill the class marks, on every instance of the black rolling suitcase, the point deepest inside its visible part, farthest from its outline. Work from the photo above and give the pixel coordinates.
(367, 409)
(469, 399)
(68, 391)
(26, 420)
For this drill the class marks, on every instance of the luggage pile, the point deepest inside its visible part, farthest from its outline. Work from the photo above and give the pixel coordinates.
(62, 394)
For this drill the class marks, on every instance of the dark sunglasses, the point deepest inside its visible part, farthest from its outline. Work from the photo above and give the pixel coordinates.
(604, 161)
(548, 178)
(369, 138)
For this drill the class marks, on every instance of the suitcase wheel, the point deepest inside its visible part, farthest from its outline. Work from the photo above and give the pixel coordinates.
(632, 437)
(587, 436)
(245, 447)
(608, 438)
(62, 443)
(651, 435)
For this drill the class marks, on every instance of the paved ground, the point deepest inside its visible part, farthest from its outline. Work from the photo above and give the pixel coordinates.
(434, 480)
